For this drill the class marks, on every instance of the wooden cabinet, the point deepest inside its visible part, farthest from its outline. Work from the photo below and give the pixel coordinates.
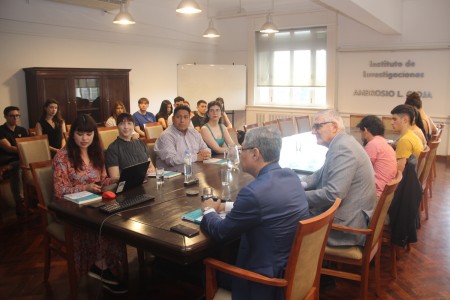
(78, 91)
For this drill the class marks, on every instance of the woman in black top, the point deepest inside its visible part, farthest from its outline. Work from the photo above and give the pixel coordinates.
(52, 125)
(164, 112)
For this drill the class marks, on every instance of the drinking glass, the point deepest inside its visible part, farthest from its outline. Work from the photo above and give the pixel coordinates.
(225, 175)
(159, 177)
(233, 157)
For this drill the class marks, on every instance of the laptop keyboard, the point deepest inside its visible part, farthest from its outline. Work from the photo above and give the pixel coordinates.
(115, 206)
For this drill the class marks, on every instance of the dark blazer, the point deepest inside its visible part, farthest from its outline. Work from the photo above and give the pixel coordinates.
(405, 206)
(265, 215)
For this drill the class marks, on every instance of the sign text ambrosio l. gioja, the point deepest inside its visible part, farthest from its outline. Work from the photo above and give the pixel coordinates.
(391, 75)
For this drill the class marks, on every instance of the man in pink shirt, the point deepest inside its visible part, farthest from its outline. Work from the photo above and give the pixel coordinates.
(381, 154)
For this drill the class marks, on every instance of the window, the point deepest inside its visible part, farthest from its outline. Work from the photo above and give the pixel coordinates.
(291, 68)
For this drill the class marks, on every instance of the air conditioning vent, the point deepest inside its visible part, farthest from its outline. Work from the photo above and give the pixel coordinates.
(105, 5)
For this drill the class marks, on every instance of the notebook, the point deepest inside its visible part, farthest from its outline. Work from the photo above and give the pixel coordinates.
(132, 176)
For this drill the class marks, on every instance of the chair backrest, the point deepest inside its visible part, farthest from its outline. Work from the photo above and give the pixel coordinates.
(429, 162)
(107, 135)
(355, 119)
(303, 124)
(43, 180)
(273, 123)
(287, 127)
(247, 127)
(387, 122)
(233, 135)
(421, 161)
(305, 260)
(151, 151)
(152, 131)
(379, 215)
(32, 149)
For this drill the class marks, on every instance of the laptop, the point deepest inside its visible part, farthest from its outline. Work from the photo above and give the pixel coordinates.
(132, 176)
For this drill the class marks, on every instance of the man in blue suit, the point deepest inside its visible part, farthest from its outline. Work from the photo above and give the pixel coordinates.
(265, 214)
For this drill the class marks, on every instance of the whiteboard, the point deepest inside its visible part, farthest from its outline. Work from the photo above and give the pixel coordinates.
(207, 82)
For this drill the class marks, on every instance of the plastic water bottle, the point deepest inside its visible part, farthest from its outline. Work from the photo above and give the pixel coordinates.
(187, 165)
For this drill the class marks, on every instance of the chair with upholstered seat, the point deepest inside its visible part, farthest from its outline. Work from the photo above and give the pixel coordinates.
(287, 127)
(362, 255)
(31, 149)
(247, 127)
(152, 131)
(302, 275)
(355, 119)
(54, 233)
(273, 123)
(303, 124)
(107, 135)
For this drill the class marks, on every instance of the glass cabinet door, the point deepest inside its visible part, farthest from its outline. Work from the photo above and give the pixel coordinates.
(88, 97)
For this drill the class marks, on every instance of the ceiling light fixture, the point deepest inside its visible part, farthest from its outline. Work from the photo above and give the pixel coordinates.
(269, 26)
(211, 32)
(188, 7)
(124, 17)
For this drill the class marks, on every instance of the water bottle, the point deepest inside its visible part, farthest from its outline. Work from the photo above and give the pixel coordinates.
(187, 165)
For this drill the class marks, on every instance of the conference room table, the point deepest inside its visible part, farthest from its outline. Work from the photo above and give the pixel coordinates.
(147, 226)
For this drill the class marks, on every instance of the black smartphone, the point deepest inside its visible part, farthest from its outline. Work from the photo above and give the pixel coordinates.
(184, 230)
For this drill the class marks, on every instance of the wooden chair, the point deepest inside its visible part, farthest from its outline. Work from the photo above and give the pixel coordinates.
(303, 124)
(425, 178)
(31, 149)
(302, 276)
(387, 122)
(233, 135)
(286, 127)
(355, 119)
(362, 255)
(107, 135)
(54, 233)
(247, 127)
(273, 123)
(151, 151)
(152, 131)
(433, 138)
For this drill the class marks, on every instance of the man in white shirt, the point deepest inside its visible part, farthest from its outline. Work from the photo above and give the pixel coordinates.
(174, 141)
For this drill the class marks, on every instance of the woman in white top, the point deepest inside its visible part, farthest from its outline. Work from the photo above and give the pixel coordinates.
(116, 110)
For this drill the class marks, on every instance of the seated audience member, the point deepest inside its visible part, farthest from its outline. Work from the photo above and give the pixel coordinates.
(347, 174)
(265, 215)
(381, 154)
(418, 127)
(224, 120)
(52, 125)
(142, 117)
(199, 118)
(215, 134)
(186, 103)
(116, 110)
(9, 156)
(173, 142)
(79, 166)
(164, 113)
(413, 99)
(177, 101)
(125, 151)
(408, 143)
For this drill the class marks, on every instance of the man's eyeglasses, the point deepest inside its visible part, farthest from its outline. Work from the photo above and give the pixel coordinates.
(243, 149)
(14, 116)
(317, 126)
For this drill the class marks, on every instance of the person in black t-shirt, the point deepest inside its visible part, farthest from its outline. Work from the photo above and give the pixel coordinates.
(9, 156)
(199, 118)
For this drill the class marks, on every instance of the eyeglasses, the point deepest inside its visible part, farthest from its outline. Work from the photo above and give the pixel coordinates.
(14, 116)
(243, 149)
(317, 126)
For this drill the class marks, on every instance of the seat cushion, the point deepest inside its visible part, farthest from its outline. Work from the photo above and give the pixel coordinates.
(222, 294)
(352, 252)
(57, 230)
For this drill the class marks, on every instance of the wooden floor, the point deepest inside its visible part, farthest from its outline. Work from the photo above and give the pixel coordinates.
(423, 273)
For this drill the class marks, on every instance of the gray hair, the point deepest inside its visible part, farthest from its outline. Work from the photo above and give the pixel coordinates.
(267, 140)
(331, 116)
